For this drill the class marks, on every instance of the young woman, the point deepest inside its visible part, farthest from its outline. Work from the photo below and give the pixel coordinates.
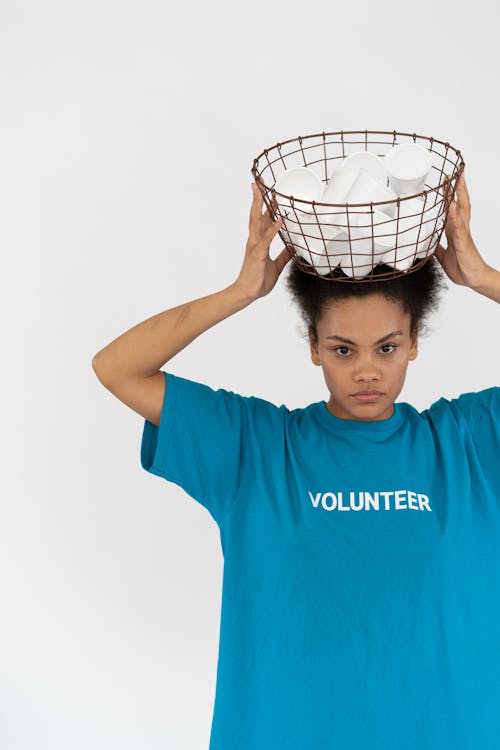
(361, 537)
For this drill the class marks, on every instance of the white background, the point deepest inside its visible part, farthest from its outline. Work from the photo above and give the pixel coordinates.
(127, 135)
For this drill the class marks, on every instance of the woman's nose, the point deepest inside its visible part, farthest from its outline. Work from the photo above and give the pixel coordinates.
(367, 369)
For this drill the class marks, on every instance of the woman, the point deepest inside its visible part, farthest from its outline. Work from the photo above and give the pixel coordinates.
(360, 604)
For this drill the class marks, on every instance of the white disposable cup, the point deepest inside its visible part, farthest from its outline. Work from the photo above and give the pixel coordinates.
(301, 183)
(338, 248)
(413, 235)
(310, 244)
(374, 239)
(320, 222)
(433, 219)
(408, 166)
(311, 228)
(359, 257)
(357, 264)
(324, 263)
(339, 184)
(373, 164)
(434, 206)
(365, 189)
(375, 226)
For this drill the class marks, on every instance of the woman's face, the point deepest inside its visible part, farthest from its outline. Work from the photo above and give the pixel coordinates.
(363, 361)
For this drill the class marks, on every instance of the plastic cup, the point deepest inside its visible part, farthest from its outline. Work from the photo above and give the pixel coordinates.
(310, 229)
(302, 183)
(375, 232)
(407, 237)
(339, 184)
(324, 263)
(373, 164)
(365, 189)
(408, 166)
(365, 250)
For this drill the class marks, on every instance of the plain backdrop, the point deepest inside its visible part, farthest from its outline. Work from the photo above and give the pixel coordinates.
(127, 135)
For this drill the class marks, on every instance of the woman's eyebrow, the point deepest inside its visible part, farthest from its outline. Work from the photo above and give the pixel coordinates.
(384, 338)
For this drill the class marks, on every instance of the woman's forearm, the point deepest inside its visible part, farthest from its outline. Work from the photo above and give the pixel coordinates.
(145, 348)
(490, 285)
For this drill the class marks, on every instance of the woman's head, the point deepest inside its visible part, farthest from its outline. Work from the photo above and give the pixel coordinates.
(364, 313)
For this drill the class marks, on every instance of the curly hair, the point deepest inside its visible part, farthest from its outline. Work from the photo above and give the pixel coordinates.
(418, 292)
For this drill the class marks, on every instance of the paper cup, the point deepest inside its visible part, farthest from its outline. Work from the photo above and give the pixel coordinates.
(433, 219)
(408, 166)
(373, 164)
(377, 226)
(354, 257)
(325, 263)
(407, 237)
(365, 189)
(302, 183)
(311, 227)
(310, 241)
(339, 184)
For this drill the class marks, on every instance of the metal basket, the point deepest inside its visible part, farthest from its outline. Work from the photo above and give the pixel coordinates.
(308, 223)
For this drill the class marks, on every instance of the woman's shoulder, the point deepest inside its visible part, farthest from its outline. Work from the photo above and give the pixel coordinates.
(478, 409)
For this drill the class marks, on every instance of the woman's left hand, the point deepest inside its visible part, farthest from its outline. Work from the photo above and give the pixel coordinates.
(461, 260)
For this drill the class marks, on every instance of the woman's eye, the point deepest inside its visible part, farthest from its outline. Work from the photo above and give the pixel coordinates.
(341, 354)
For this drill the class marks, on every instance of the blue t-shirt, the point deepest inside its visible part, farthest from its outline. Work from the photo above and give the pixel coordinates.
(361, 590)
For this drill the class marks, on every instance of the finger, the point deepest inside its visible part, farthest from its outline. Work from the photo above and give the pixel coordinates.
(267, 220)
(447, 189)
(449, 227)
(268, 217)
(273, 210)
(451, 219)
(452, 197)
(463, 198)
(454, 213)
(458, 229)
(256, 209)
(255, 212)
(272, 231)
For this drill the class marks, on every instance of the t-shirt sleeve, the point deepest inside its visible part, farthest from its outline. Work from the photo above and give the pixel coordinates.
(211, 442)
(481, 412)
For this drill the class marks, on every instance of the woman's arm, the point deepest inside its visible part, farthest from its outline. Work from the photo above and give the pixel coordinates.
(489, 285)
(142, 350)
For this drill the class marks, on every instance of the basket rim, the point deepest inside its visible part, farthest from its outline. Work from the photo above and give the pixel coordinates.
(458, 168)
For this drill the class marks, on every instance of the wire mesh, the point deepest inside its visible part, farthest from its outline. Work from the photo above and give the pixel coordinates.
(358, 242)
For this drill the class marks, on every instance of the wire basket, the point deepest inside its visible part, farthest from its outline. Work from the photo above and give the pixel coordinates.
(358, 242)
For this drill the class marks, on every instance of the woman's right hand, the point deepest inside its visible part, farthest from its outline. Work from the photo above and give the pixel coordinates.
(259, 273)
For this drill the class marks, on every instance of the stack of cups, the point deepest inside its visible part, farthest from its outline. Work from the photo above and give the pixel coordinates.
(360, 238)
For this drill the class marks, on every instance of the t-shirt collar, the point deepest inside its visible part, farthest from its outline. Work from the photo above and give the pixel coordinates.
(379, 426)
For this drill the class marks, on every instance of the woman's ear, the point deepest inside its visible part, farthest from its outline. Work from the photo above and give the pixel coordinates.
(313, 344)
(414, 345)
